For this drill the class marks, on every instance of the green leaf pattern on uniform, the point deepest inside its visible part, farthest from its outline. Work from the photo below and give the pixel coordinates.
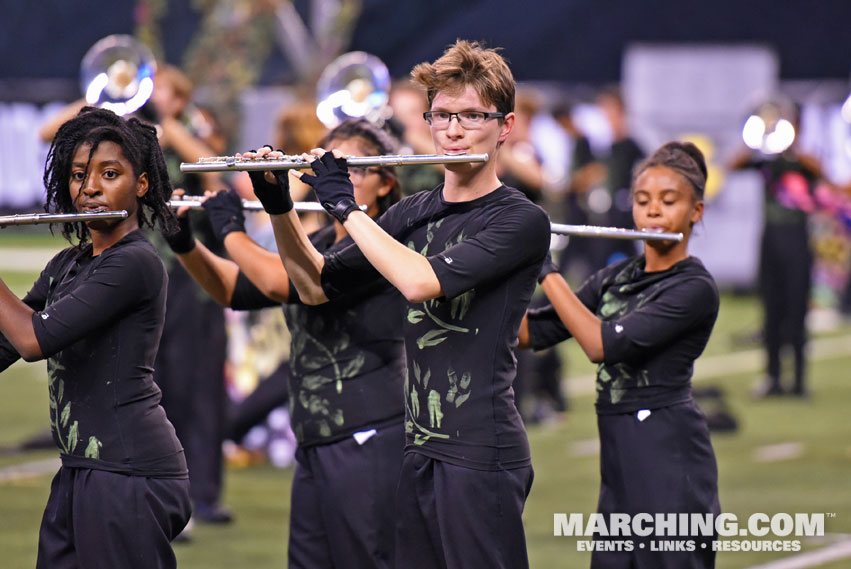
(620, 377)
(60, 410)
(324, 367)
(93, 448)
(458, 390)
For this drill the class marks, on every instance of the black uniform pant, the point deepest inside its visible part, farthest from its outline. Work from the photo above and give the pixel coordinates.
(96, 519)
(451, 517)
(661, 465)
(343, 502)
(785, 266)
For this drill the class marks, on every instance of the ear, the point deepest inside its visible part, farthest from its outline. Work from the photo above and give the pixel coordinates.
(697, 212)
(386, 186)
(507, 125)
(142, 185)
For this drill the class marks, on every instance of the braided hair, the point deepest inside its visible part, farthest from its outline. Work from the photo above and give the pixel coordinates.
(682, 157)
(138, 142)
(379, 142)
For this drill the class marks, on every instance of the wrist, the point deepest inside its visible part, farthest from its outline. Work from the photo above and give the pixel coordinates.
(181, 241)
(341, 209)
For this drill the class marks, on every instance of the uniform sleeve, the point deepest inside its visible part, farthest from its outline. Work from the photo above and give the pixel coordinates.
(348, 270)
(676, 310)
(246, 295)
(35, 299)
(516, 237)
(122, 279)
(545, 326)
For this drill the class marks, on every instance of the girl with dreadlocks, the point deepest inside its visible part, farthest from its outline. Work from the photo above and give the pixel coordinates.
(96, 314)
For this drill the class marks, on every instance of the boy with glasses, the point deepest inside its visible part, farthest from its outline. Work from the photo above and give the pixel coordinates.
(465, 255)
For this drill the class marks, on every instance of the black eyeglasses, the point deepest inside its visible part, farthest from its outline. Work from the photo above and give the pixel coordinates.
(467, 119)
(358, 173)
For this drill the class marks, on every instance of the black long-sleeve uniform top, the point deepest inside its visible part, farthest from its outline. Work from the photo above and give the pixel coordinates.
(654, 326)
(98, 321)
(347, 358)
(486, 254)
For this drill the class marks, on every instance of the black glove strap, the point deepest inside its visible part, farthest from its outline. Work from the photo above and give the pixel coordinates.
(341, 209)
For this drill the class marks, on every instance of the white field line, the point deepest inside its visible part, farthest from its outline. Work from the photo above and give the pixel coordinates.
(840, 550)
(29, 470)
(26, 258)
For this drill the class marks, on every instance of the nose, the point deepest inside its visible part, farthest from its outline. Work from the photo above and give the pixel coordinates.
(653, 208)
(90, 186)
(454, 129)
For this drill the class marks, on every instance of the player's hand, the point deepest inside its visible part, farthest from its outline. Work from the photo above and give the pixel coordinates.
(224, 209)
(182, 240)
(272, 188)
(331, 182)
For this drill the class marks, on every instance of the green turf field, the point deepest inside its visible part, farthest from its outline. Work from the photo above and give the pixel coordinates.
(815, 478)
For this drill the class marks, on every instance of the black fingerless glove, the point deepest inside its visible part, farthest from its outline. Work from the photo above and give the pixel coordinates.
(224, 211)
(332, 185)
(182, 241)
(275, 198)
(549, 267)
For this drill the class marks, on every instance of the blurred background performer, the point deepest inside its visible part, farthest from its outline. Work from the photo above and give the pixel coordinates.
(96, 314)
(463, 254)
(785, 256)
(609, 202)
(190, 367)
(645, 320)
(346, 370)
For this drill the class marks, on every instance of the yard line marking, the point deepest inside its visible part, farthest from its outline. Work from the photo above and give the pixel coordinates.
(32, 469)
(778, 452)
(711, 367)
(815, 558)
(587, 447)
(27, 258)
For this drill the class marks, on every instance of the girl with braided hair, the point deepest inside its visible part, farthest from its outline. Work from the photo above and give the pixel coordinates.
(645, 321)
(96, 314)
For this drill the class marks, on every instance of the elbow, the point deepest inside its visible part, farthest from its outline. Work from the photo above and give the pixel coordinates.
(31, 353)
(313, 297)
(421, 291)
(595, 355)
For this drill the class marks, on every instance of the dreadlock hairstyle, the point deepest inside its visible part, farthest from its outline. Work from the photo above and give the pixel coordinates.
(375, 141)
(138, 142)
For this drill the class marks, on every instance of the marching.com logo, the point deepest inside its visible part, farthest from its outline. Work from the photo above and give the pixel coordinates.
(687, 532)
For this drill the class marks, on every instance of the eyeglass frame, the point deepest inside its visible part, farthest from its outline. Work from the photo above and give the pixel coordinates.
(427, 116)
(364, 170)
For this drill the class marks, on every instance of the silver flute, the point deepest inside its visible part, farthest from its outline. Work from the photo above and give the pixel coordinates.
(194, 202)
(613, 232)
(38, 218)
(295, 162)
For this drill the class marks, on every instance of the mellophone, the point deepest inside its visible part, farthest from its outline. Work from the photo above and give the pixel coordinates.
(290, 162)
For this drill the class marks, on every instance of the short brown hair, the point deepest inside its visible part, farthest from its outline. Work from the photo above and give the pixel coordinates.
(469, 63)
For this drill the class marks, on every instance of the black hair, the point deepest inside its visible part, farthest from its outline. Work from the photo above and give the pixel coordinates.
(683, 157)
(138, 142)
(380, 142)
